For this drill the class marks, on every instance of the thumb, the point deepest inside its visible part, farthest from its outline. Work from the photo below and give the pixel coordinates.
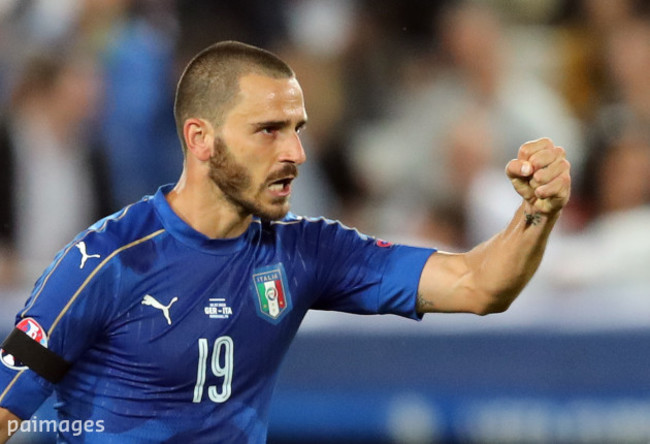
(518, 169)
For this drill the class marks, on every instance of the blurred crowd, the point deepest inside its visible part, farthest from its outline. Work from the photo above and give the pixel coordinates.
(414, 106)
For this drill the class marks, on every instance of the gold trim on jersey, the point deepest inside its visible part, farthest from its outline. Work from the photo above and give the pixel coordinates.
(38, 293)
(95, 271)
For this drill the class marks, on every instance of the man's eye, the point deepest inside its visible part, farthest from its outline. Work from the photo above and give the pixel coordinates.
(269, 130)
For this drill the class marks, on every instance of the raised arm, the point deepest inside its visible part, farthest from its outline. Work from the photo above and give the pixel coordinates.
(9, 424)
(490, 276)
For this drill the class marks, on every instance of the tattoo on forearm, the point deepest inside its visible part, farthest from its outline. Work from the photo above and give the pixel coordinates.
(423, 305)
(533, 219)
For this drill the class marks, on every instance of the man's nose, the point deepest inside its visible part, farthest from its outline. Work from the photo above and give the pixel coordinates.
(294, 151)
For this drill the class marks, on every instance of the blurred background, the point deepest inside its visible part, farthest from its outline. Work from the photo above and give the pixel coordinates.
(415, 106)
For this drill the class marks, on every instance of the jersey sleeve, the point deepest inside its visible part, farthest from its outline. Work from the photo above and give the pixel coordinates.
(363, 275)
(66, 311)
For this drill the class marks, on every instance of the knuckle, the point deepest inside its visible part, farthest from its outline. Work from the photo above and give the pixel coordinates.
(534, 160)
(539, 176)
(538, 162)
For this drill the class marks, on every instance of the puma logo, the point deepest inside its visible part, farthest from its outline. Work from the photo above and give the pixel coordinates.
(84, 256)
(149, 300)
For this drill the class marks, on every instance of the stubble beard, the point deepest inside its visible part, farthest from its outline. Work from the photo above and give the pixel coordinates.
(234, 179)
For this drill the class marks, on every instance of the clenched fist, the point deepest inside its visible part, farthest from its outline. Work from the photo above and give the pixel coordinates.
(541, 175)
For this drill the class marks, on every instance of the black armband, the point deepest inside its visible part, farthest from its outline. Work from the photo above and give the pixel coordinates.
(38, 358)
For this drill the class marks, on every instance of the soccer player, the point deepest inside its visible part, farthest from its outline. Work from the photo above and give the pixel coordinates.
(168, 320)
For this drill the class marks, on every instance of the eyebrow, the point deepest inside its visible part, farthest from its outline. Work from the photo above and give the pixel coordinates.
(278, 124)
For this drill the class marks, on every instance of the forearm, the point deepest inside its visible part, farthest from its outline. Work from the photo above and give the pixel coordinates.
(503, 265)
(490, 276)
(9, 424)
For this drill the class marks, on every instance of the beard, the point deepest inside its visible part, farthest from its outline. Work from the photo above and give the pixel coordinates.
(234, 180)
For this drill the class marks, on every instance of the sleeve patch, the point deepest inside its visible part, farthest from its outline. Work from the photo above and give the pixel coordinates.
(26, 346)
(32, 329)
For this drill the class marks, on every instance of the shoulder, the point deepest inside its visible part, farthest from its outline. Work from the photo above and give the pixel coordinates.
(84, 263)
(315, 229)
(131, 225)
(94, 247)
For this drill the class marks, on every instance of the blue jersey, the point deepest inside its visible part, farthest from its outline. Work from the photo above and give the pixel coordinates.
(175, 337)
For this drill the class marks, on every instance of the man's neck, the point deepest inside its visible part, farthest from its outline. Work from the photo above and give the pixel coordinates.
(204, 207)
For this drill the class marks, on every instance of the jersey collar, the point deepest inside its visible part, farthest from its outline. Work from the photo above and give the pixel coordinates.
(184, 233)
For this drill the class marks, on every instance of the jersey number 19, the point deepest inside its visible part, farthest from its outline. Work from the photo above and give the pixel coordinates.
(222, 366)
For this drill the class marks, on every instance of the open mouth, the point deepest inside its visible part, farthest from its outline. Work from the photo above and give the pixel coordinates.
(281, 187)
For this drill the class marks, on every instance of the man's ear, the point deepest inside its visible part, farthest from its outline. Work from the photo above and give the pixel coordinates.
(199, 138)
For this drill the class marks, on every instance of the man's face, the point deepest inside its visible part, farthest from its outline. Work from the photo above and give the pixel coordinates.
(257, 153)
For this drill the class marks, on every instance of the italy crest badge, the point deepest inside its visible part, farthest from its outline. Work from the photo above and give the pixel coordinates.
(272, 293)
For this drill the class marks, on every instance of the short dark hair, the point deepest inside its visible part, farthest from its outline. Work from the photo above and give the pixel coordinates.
(210, 81)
